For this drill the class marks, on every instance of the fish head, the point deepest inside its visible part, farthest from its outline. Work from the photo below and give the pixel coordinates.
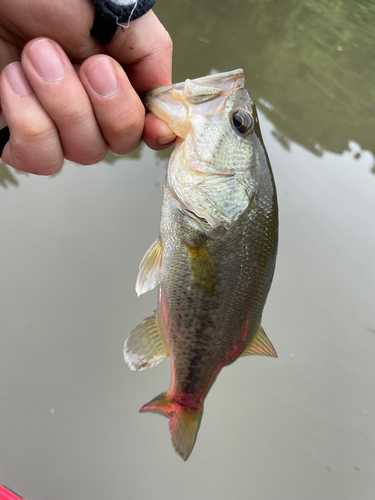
(210, 170)
(214, 97)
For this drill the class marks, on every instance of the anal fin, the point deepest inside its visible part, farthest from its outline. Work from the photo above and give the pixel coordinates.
(150, 268)
(144, 347)
(259, 345)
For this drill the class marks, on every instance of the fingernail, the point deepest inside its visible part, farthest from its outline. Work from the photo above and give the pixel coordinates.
(165, 139)
(18, 81)
(46, 61)
(102, 77)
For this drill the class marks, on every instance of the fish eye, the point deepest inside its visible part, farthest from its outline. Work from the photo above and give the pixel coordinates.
(242, 121)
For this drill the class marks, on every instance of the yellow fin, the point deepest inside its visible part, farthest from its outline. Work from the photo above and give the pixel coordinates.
(183, 425)
(144, 347)
(259, 345)
(150, 268)
(203, 268)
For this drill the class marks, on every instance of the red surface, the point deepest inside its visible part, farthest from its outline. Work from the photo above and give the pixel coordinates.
(6, 494)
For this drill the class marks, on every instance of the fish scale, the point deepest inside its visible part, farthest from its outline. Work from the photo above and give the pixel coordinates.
(215, 256)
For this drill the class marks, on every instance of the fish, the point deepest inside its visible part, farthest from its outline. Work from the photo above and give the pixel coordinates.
(214, 259)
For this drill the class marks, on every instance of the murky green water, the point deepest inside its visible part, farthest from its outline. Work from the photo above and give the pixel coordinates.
(299, 427)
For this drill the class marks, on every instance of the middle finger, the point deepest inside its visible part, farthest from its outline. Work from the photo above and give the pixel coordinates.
(62, 95)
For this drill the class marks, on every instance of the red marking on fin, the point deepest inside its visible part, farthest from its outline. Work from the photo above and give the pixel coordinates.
(184, 420)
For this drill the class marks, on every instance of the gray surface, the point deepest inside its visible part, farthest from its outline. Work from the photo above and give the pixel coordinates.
(299, 427)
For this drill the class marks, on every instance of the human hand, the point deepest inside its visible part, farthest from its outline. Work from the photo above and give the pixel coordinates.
(52, 112)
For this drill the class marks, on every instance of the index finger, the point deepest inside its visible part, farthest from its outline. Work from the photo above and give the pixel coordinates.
(145, 47)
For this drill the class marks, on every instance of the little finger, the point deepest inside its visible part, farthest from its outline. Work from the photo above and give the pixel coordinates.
(34, 143)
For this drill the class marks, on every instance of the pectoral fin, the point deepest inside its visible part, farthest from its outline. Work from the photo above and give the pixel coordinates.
(259, 345)
(150, 268)
(144, 347)
(220, 199)
(203, 268)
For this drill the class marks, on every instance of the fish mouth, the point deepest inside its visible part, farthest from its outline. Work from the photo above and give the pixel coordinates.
(215, 80)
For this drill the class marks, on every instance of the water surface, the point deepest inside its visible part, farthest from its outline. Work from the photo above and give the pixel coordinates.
(299, 427)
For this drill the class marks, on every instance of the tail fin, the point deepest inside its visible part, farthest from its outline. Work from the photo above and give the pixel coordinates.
(184, 422)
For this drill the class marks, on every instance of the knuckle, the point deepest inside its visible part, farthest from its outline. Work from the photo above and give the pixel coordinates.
(73, 112)
(38, 131)
(87, 158)
(168, 43)
(163, 41)
(40, 162)
(125, 132)
(36, 148)
(125, 148)
(162, 44)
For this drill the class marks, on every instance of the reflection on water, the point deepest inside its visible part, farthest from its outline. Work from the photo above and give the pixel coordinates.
(301, 427)
(161, 156)
(309, 63)
(7, 176)
(113, 158)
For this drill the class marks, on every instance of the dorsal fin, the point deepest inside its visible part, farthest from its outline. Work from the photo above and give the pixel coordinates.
(259, 345)
(144, 347)
(150, 268)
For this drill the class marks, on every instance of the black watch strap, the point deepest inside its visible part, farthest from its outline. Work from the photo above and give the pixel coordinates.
(4, 138)
(109, 15)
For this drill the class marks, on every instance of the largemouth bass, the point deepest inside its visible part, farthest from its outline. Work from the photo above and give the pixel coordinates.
(214, 260)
